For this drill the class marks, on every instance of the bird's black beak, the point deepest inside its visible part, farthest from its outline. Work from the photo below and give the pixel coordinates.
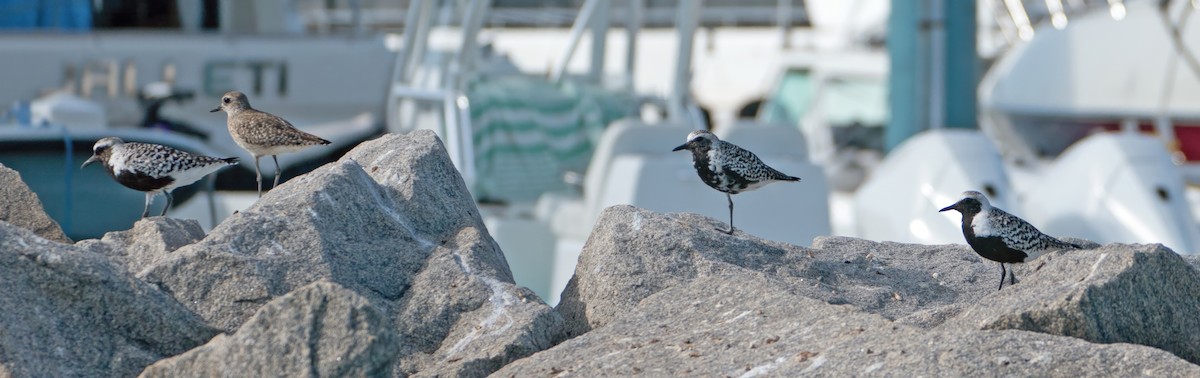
(215, 110)
(951, 207)
(90, 160)
(681, 147)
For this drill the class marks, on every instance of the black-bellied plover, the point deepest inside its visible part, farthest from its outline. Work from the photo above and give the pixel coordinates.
(262, 133)
(728, 168)
(152, 168)
(1002, 237)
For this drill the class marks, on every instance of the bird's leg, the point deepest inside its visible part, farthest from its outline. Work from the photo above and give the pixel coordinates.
(730, 198)
(1012, 278)
(276, 158)
(1002, 273)
(258, 177)
(149, 199)
(169, 200)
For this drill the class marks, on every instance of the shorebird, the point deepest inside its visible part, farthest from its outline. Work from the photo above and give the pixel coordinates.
(152, 168)
(1002, 237)
(728, 168)
(262, 133)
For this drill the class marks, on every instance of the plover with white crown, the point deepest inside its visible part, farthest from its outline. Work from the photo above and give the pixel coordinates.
(152, 168)
(1002, 237)
(728, 168)
(262, 133)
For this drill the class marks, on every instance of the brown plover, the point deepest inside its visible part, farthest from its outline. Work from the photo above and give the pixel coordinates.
(152, 168)
(728, 168)
(1002, 237)
(262, 133)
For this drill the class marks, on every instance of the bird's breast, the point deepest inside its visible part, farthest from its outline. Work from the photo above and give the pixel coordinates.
(981, 226)
(709, 172)
(993, 248)
(140, 181)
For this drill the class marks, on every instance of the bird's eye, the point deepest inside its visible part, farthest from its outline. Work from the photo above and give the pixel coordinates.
(226, 100)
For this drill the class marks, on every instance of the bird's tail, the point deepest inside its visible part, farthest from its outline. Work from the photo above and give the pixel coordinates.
(316, 139)
(1071, 245)
(783, 177)
(230, 161)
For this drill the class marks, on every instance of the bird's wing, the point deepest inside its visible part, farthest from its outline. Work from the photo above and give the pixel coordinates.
(1024, 236)
(745, 163)
(156, 160)
(277, 127)
(277, 123)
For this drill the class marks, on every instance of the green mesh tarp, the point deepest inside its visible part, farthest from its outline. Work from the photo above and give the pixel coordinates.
(528, 132)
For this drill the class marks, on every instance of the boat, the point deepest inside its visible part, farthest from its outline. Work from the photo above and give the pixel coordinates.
(1103, 148)
(159, 87)
(545, 153)
(1112, 125)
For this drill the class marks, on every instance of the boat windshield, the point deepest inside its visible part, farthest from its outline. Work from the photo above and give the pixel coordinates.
(854, 107)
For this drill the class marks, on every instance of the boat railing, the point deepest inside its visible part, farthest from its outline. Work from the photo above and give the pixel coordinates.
(455, 126)
(447, 91)
(429, 88)
(784, 14)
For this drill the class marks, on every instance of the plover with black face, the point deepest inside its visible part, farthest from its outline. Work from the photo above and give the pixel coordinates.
(728, 168)
(1002, 237)
(152, 168)
(262, 133)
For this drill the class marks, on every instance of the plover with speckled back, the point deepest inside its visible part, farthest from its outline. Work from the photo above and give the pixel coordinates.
(1002, 237)
(262, 133)
(152, 168)
(728, 168)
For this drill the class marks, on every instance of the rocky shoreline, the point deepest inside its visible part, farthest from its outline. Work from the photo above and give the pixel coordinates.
(379, 265)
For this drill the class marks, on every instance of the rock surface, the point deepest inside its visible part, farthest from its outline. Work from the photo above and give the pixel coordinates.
(150, 241)
(379, 265)
(1141, 294)
(926, 295)
(69, 312)
(749, 324)
(1194, 260)
(391, 221)
(634, 253)
(319, 330)
(22, 208)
